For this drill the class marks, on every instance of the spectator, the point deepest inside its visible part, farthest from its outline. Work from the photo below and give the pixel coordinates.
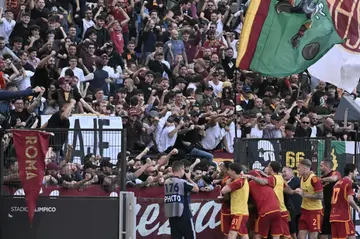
(4, 50)
(7, 23)
(169, 73)
(303, 130)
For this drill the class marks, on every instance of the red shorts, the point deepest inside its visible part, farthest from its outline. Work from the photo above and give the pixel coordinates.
(269, 222)
(311, 220)
(285, 224)
(239, 224)
(225, 222)
(342, 230)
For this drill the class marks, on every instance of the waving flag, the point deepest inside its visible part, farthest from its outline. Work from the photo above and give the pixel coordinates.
(31, 147)
(341, 65)
(279, 39)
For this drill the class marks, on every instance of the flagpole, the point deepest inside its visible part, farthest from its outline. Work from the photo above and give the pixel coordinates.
(235, 153)
(235, 118)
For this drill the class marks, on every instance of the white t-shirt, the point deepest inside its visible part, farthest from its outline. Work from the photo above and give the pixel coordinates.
(256, 133)
(79, 73)
(233, 46)
(25, 82)
(230, 136)
(86, 25)
(6, 28)
(213, 137)
(313, 132)
(165, 141)
(217, 88)
(160, 126)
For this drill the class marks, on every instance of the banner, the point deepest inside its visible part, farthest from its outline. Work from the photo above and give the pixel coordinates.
(294, 150)
(102, 142)
(262, 152)
(341, 153)
(341, 65)
(150, 216)
(279, 39)
(31, 147)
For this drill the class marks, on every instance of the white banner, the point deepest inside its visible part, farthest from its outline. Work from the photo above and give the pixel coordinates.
(100, 142)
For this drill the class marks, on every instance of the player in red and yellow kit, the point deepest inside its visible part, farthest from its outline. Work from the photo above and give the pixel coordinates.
(311, 191)
(273, 170)
(225, 217)
(239, 195)
(329, 177)
(342, 198)
(269, 216)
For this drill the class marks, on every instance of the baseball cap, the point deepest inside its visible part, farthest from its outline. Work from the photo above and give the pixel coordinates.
(226, 84)
(123, 114)
(246, 89)
(106, 163)
(261, 118)
(171, 119)
(89, 164)
(181, 80)
(52, 166)
(209, 88)
(275, 117)
(132, 112)
(194, 113)
(154, 114)
(290, 127)
(149, 73)
(270, 89)
(63, 80)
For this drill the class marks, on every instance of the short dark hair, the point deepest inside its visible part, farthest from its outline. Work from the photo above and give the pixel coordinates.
(276, 166)
(2, 38)
(22, 52)
(176, 166)
(69, 72)
(237, 168)
(349, 168)
(329, 163)
(159, 155)
(227, 164)
(31, 49)
(18, 39)
(10, 84)
(72, 58)
(90, 32)
(159, 44)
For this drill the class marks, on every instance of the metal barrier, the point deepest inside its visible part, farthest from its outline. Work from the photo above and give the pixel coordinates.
(54, 208)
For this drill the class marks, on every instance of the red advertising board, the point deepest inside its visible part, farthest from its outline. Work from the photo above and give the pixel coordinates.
(150, 217)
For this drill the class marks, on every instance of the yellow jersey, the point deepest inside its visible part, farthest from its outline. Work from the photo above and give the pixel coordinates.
(311, 185)
(279, 191)
(239, 197)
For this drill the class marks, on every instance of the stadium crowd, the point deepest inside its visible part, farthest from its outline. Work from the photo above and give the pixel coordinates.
(168, 69)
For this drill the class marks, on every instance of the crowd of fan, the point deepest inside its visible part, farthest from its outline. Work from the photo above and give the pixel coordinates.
(168, 69)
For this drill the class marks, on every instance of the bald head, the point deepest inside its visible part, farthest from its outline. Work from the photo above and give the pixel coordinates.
(174, 34)
(329, 123)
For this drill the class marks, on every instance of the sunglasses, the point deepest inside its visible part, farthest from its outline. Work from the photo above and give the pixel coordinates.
(305, 122)
(262, 122)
